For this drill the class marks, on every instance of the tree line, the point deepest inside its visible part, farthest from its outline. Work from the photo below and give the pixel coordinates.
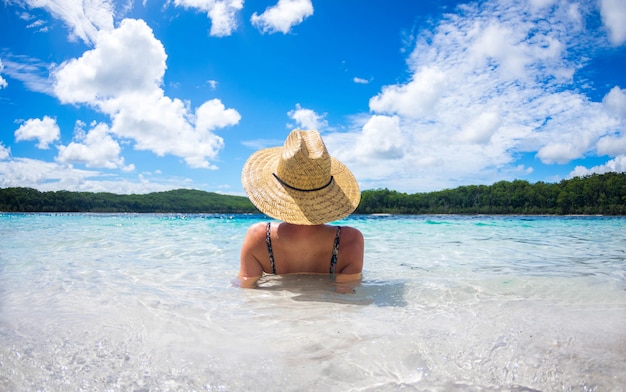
(180, 200)
(596, 194)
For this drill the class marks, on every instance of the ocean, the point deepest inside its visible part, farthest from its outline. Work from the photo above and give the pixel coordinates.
(128, 302)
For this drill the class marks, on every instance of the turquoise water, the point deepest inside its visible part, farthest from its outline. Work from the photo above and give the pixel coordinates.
(147, 303)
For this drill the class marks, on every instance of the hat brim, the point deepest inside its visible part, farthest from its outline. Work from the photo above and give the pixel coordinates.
(336, 201)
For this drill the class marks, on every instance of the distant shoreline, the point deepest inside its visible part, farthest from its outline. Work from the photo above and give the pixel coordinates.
(599, 194)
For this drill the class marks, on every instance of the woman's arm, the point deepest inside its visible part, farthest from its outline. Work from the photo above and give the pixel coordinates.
(250, 269)
(351, 250)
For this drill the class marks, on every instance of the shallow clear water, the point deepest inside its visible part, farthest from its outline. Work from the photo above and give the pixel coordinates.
(147, 302)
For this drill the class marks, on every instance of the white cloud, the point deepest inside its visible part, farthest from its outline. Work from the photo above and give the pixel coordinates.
(480, 127)
(283, 16)
(213, 114)
(413, 99)
(307, 118)
(84, 17)
(30, 71)
(32, 173)
(560, 152)
(3, 82)
(612, 145)
(127, 60)
(223, 13)
(360, 80)
(122, 78)
(615, 102)
(44, 130)
(95, 149)
(492, 82)
(613, 15)
(614, 165)
(39, 25)
(572, 128)
(5, 152)
(51, 176)
(381, 138)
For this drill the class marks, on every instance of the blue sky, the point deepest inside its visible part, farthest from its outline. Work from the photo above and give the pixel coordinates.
(416, 96)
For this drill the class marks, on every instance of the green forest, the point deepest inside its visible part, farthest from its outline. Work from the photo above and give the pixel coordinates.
(591, 195)
(180, 200)
(603, 194)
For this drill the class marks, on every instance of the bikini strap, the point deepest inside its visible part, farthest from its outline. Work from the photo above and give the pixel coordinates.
(268, 241)
(333, 260)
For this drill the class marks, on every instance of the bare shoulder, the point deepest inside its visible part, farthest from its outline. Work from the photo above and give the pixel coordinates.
(351, 236)
(254, 239)
(257, 230)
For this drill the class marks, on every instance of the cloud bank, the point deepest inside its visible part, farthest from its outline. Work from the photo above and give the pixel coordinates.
(493, 89)
(491, 84)
(121, 77)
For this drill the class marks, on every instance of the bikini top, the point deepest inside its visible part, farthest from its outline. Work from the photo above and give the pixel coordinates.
(333, 259)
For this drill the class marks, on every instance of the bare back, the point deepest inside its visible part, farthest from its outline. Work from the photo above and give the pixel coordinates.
(300, 249)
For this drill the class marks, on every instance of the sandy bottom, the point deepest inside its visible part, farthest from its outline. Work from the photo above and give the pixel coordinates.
(297, 334)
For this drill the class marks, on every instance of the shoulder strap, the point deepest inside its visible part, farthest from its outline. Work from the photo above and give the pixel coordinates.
(333, 260)
(268, 241)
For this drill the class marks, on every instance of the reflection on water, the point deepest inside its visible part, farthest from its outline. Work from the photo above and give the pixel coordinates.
(145, 303)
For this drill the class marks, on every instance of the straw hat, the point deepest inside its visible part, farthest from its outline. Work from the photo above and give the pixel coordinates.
(300, 182)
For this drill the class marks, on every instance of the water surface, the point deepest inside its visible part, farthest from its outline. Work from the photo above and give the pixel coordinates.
(147, 302)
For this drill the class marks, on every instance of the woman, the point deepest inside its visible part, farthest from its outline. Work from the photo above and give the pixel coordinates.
(302, 186)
